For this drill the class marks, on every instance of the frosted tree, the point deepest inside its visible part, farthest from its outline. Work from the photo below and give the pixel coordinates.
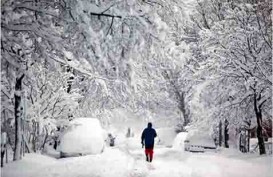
(30, 33)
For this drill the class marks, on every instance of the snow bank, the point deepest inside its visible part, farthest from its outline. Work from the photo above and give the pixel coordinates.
(50, 151)
(178, 142)
(217, 165)
(28, 166)
(117, 162)
(166, 136)
(84, 136)
(111, 163)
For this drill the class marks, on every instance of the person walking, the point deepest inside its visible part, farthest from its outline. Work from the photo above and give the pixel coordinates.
(147, 139)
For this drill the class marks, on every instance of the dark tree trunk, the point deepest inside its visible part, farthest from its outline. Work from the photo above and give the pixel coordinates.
(226, 135)
(258, 113)
(69, 70)
(3, 150)
(220, 133)
(18, 114)
(240, 143)
(183, 109)
(248, 125)
(260, 134)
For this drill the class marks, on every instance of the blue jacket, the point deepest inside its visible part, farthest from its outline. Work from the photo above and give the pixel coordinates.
(148, 136)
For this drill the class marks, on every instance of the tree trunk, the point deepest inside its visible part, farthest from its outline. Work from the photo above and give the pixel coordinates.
(7, 158)
(248, 140)
(69, 70)
(183, 109)
(27, 148)
(2, 155)
(226, 135)
(3, 146)
(220, 133)
(45, 139)
(240, 142)
(248, 125)
(260, 134)
(258, 113)
(35, 135)
(18, 114)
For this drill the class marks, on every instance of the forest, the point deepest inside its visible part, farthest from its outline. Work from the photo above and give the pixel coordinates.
(194, 64)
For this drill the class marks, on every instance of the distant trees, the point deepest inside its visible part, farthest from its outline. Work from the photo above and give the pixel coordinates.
(178, 88)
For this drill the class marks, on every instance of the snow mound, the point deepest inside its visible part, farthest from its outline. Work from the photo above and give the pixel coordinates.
(178, 142)
(166, 136)
(84, 136)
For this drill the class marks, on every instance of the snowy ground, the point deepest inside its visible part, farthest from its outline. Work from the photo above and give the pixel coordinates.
(128, 161)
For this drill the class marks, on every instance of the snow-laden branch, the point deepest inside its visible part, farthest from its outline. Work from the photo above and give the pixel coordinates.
(239, 101)
(36, 9)
(79, 68)
(105, 15)
(14, 27)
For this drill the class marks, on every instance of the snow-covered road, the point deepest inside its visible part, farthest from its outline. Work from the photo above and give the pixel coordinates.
(122, 162)
(178, 164)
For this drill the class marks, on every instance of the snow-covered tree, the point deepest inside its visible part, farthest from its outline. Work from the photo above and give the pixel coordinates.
(235, 38)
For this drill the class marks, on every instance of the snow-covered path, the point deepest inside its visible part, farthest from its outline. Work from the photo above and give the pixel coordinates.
(124, 162)
(178, 164)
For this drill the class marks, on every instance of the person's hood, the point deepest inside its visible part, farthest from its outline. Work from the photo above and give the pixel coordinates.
(149, 125)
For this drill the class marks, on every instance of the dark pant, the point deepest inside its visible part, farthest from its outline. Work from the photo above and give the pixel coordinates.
(149, 154)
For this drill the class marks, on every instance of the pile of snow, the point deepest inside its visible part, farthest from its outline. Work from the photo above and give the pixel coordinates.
(84, 136)
(166, 136)
(178, 142)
